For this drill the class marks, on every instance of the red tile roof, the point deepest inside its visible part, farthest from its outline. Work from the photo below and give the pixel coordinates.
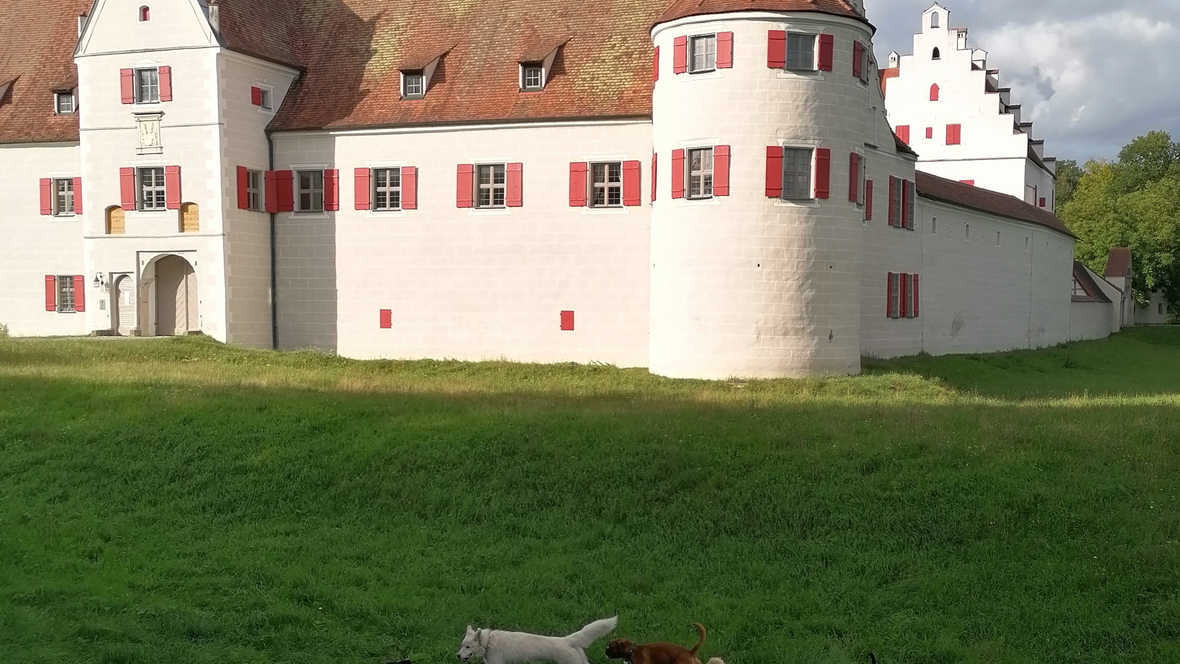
(683, 8)
(1093, 292)
(37, 41)
(976, 198)
(1118, 264)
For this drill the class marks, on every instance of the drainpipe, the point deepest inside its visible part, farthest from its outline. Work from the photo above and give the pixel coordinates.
(274, 282)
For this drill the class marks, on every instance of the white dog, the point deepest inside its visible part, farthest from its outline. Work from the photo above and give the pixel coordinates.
(497, 647)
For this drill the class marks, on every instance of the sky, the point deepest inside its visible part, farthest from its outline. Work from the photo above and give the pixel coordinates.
(1091, 74)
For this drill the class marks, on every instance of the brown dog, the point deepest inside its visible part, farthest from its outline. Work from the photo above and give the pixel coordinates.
(655, 653)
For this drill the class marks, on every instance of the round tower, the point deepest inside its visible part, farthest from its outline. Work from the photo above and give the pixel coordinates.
(756, 241)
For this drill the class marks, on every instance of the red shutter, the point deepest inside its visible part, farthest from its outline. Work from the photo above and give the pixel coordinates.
(78, 196)
(823, 172)
(903, 132)
(243, 186)
(725, 50)
(934, 92)
(653, 178)
(360, 189)
(272, 191)
(892, 207)
(172, 187)
(678, 174)
(776, 49)
(331, 190)
(46, 196)
(386, 319)
(680, 55)
(909, 204)
(827, 49)
(914, 278)
(954, 134)
(465, 186)
(127, 85)
(902, 288)
(256, 96)
(868, 200)
(905, 191)
(968, 182)
(127, 188)
(889, 295)
(409, 187)
(578, 183)
(721, 170)
(854, 178)
(567, 321)
(285, 184)
(858, 50)
(79, 294)
(50, 292)
(515, 190)
(1043, 201)
(929, 132)
(165, 83)
(655, 66)
(631, 183)
(774, 171)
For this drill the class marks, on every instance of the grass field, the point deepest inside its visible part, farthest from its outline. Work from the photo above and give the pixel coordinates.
(179, 501)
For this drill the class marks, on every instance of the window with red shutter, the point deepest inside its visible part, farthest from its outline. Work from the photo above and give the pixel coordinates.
(917, 298)
(331, 190)
(721, 170)
(655, 65)
(409, 187)
(827, 51)
(902, 291)
(386, 319)
(271, 179)
(79, 294)
(256, 96)
(823, 173)
(465, 186)
(929, 132)
(953, 134)
(127, 85)
(774, 171)
(903, 133)
(631, 183)
(910, 207)
(243, 188)
(857, 56)
(653, 178)
(678, 173)
(50, 292)
(165, 83)
(890, 296)
(78, 196)
(514, 196)
(46, 196)
(127, 188)
(567, 321)
(854, 178)
(724, 50)
(776, 49)
(285, 184)
(172, 194)
(934, 92)
(578, 175)
(361, 189)
(868, 200)
(680, 55)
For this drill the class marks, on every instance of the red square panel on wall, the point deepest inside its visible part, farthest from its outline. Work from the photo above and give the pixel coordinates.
(386, 319)
(567, 321)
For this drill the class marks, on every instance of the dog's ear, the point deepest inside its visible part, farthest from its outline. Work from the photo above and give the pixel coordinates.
(479, 637)
(469, 630)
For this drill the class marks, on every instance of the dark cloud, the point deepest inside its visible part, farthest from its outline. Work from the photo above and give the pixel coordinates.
(1091, 74)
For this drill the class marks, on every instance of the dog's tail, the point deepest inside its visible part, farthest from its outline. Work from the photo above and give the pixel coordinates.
(592, 632)
(701, 629)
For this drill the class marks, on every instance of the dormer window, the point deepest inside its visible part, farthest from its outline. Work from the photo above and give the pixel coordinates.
(63, 103)
(937, 54)
(145, 14)
(934, 21)
(413, 85)
(533, 76)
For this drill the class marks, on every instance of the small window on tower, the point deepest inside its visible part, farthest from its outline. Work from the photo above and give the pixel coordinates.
(934, 21)
(145, 14)
(937, 54)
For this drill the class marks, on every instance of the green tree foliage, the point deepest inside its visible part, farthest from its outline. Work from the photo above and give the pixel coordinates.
(1068, 175)
(1134, 202)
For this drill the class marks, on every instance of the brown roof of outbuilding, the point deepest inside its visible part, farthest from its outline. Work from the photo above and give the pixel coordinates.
(1093, 292)
(1118, 263)
(683, 8)
(976, 198)
(37, 41)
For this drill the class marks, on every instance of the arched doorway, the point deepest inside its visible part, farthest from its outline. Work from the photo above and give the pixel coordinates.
(176, 297)
(190, 218)
(123, 300)
(116, 224)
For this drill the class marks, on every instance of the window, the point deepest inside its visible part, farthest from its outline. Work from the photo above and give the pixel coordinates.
(800, 52)
(934, 22)
(934, 225)
(492, 187)
(997, 238)
(414, 83)
(63, 103)
(1077, 289)
(967, 233)
(264, 99)
(896, 207)
(937, 55)
(797, 174)
(700, 173)
(903, 296)
(145, 14)
(311, 191)
(147, 86)
(533, 77)
(606, 184)
(1160, 308)
(63, 198)
(894, 295)
(860, 185)
(65, 294)
(863, 54)
(254, 190)
(703, 53)
(387, 189)
(151, 189)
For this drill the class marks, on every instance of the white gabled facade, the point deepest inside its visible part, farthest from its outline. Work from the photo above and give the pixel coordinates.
(737, 277)
(946, 104)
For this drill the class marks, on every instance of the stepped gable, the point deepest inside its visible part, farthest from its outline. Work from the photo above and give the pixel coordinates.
(984, 200)
(37, 40)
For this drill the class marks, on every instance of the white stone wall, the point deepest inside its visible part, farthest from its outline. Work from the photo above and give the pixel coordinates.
(466, 283)
(1156, 311)
(34, 245)
(1089, 320)
(745, 285)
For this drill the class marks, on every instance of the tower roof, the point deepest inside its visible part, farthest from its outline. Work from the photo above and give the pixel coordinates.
(684, 8)
(1118, 264)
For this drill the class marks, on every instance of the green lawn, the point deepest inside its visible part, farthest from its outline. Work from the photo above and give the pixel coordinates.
(178, 501)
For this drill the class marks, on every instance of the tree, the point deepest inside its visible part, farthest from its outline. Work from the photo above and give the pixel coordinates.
(1068, 175)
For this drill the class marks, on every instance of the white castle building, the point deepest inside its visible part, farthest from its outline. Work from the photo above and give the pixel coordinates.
(708, 188)
(945, 103)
